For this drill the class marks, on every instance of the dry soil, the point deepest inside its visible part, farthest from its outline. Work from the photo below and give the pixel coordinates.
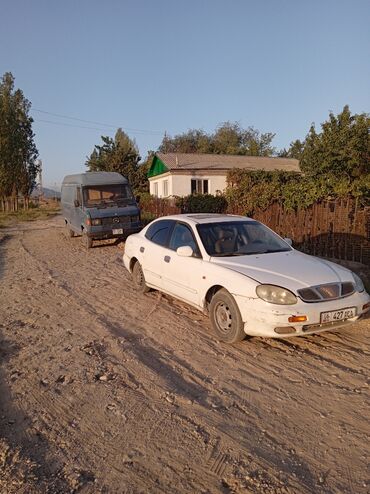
(106, 390)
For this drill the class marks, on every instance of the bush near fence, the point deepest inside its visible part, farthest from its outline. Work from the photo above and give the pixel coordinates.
(337, 229)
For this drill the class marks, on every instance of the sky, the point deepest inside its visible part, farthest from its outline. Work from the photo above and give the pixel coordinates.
(156, 66)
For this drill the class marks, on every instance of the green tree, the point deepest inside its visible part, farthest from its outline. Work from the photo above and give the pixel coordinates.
(341, 149)
(192, 141)
(228, 138)
(118, 155)
(295, 150)
(18, 152)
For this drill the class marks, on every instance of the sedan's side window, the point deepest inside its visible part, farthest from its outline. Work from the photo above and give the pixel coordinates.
(159, 231)
(181, 236)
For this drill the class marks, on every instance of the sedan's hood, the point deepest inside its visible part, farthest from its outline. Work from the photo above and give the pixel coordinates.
(292, 270)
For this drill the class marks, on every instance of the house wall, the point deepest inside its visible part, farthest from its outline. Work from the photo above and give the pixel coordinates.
(180, 185)
(159, 181)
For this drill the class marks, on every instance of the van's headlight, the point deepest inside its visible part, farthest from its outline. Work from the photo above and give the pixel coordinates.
(359, 286)
(276, 295)
(96, 222)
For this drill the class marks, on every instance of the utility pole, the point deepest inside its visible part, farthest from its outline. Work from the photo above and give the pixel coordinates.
(41, 192)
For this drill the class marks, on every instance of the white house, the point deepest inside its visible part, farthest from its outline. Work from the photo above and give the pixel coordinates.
(181, 174)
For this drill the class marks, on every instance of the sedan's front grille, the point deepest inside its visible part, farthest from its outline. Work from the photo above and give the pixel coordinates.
(330, 291)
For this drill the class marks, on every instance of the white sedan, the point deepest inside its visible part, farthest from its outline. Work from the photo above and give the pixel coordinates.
(248, 279)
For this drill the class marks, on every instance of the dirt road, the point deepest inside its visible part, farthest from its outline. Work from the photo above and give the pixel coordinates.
(106, 390)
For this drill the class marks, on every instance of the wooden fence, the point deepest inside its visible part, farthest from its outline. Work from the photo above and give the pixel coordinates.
(333, 229)
(338, 229)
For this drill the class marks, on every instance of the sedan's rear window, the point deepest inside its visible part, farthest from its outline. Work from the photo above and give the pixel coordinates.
(158, 232)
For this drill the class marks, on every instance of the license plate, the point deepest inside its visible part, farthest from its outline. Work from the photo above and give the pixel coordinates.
(117, 231)
(338, 315)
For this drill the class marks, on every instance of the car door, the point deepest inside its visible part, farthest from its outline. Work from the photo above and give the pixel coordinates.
(153, 250)
(181, 276)
(79, 213)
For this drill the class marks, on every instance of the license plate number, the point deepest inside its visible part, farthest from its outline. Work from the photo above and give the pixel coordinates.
(117, 231)
(338, 315)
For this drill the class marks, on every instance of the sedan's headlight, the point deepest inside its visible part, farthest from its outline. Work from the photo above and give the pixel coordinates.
(96, 222)
(359, 286)
(276, 295)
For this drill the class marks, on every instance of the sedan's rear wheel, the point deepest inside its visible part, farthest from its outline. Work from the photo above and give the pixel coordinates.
(225, 317)
(139, 279)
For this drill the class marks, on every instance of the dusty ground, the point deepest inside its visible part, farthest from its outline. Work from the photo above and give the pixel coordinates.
(105, 390)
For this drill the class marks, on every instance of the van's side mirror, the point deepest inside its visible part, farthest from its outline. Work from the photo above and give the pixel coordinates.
(76, 203)
(137, 198)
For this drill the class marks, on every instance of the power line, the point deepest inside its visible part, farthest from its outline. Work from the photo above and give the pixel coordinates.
(141, 131)
(67, 124)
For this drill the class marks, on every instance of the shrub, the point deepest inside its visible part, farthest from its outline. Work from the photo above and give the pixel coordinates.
(202, 203)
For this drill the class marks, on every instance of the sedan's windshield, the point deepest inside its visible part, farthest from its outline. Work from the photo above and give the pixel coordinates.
(107, 195)
(239, 238)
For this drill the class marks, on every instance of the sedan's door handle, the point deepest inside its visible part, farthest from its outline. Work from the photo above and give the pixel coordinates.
(142, 249)
(167, 258)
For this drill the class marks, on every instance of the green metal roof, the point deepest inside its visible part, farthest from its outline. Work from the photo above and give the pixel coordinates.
(157, 168)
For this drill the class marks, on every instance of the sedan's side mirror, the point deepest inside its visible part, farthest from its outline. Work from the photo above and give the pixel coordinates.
(289, 241)
(76, 203)
(184, 251)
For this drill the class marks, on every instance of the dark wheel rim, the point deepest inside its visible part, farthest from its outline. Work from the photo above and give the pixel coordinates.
(223, 317)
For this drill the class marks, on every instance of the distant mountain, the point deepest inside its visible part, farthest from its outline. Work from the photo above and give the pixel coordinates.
(47, 193)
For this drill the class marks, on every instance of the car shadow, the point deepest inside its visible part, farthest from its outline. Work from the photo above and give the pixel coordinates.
(156, 361)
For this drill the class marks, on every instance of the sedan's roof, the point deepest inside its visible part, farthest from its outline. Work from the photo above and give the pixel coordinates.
(199, 218)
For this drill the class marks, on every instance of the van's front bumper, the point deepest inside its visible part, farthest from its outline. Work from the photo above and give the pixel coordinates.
(101, 232)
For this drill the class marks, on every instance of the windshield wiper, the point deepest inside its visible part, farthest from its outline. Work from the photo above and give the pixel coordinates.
(277, 250)
(227, 254)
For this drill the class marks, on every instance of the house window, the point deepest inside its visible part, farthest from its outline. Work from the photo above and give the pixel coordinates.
(165, 188)
(199, 186)
(155, 189)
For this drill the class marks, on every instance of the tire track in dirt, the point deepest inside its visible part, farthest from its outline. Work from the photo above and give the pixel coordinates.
(186, 412)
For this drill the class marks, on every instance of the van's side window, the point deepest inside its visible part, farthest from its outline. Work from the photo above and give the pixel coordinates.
(79, 196)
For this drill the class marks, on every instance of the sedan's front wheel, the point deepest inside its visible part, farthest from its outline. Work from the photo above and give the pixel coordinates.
(138, 278)
(225, 317)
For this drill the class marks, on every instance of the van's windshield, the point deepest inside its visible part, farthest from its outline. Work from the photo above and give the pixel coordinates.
(107, 195)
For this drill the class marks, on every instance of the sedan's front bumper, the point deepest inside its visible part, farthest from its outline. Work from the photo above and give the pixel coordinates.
(264, 319)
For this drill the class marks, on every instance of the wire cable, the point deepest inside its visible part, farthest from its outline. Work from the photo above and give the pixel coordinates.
(140, 131)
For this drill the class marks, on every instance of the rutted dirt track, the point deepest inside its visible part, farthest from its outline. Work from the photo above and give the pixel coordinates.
(106, 390)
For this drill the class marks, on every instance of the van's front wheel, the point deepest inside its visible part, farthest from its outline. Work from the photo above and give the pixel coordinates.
(88, 241)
